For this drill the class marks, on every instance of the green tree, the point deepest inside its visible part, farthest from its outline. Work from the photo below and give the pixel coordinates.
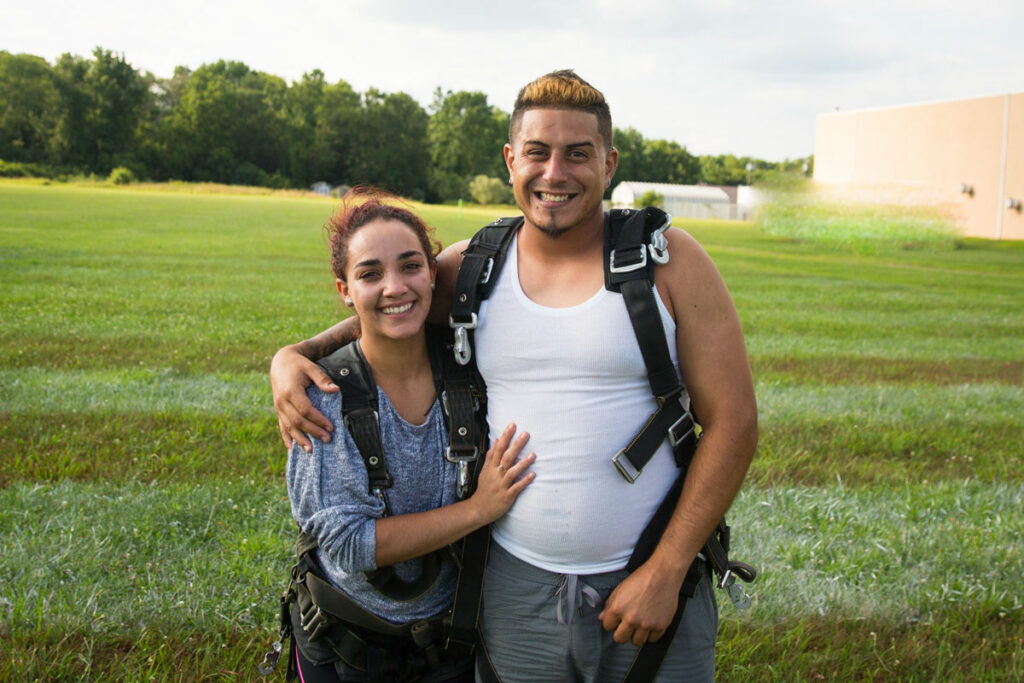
(667, 161)
(102, 102)
(308, 158)
(229, 126)
(28, 108)
(391, 149)
(465, 135)
(630, 145)
(156, 143)
(727, 169)
(337, 135)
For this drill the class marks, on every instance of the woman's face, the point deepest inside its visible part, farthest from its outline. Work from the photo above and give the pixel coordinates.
(388, 278)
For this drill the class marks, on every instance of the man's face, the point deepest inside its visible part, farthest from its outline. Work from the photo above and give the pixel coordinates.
(560, 168)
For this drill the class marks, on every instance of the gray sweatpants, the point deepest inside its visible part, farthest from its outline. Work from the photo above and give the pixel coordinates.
(525, 639)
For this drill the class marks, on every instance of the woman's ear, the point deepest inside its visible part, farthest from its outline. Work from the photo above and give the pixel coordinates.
(343, 291)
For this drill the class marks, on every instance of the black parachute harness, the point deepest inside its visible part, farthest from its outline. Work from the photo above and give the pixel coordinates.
(328, 617)
(634, 243)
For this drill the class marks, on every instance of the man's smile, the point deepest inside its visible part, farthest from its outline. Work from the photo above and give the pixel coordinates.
(554, 197)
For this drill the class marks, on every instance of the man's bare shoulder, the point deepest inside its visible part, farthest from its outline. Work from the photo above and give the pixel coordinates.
(449, 260)
(690, 276)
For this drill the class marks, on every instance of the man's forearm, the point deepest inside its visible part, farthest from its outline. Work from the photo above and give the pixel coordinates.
(715, 477)
(330, 340)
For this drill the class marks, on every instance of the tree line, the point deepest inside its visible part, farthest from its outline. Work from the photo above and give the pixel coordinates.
(224, 122)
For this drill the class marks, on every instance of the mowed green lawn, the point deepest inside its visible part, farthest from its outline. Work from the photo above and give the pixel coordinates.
(144, 529)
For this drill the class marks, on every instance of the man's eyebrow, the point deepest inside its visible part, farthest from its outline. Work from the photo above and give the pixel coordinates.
(571, 145)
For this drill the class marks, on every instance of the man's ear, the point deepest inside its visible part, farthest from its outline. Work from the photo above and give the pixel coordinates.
(611, 162)
(509, 158)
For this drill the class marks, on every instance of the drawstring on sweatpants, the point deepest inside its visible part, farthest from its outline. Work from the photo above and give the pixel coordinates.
(572, 593)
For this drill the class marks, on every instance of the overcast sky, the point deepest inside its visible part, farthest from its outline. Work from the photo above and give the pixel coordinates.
(718, 76)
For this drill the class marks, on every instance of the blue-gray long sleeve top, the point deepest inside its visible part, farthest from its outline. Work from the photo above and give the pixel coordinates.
(331, 500)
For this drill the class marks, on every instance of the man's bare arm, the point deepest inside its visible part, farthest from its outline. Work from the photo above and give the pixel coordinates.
(292, 369)
(713, 361)
(448, 262)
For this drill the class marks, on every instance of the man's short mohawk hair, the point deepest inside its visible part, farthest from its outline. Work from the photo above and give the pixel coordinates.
(563, 89)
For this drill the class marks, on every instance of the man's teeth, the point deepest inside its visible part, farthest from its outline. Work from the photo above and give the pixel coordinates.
(391, 310)
(548, 197)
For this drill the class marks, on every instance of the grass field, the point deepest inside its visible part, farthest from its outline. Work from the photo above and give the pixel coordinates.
(144, 530)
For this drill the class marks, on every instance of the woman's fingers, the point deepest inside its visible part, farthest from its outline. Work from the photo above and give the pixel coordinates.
(498, 446)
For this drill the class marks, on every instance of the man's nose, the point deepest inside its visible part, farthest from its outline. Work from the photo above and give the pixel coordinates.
(554, 168)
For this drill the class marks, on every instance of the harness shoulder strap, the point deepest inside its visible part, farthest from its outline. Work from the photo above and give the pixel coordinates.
(481, 263)
(463, 401)
(634, 243)
(348, 368)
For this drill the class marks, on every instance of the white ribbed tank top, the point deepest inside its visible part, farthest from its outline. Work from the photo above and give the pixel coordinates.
(574, 379)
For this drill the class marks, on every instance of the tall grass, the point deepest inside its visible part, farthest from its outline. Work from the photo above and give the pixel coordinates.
(796, 212)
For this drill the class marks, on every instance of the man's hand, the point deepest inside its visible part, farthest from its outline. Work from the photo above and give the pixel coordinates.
(290, 374)
(641, 607)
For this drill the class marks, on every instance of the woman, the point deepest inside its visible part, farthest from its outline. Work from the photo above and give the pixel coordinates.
(383, 261)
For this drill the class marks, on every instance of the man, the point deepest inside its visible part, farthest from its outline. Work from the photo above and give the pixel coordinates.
(559, 357)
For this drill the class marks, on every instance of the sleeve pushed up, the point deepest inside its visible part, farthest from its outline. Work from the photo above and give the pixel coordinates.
(329, 493)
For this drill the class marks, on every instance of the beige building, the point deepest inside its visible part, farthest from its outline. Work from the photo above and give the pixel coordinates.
(965, 156)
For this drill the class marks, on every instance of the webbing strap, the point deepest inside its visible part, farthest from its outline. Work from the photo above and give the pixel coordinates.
(630, 272)
(335, 603)
(649, 657)
(329, 615)
(481, 263)
(348, 369)
(462, 632)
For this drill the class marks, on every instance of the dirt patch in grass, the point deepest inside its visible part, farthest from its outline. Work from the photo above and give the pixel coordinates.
(957, 647)
(820, 453)
(145, 447)
(866, 370)
(66, 353)
(966, 647)
(156, 653)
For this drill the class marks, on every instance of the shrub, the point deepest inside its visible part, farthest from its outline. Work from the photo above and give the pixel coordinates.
(485, 190)
(651, 198)
(15, 169)
(121, 176)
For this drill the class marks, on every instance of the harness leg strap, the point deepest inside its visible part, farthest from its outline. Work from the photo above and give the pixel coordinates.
(649, 657)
